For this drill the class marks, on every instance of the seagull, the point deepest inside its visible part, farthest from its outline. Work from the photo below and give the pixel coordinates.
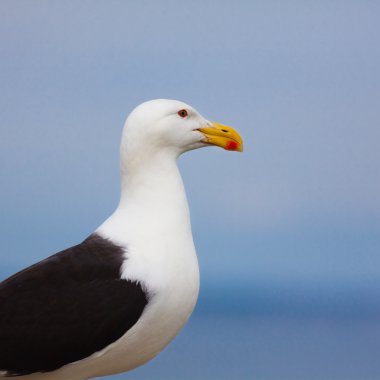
(114, 301)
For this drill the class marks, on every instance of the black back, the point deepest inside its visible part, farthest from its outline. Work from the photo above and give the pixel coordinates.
(66, 307)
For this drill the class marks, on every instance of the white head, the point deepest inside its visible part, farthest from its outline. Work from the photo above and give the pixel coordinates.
(172, 127)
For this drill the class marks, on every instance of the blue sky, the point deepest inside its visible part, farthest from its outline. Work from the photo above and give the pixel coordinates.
(299, 80)
(293, 223)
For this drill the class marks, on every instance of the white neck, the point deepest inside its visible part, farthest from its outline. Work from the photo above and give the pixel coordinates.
(151, 182)
(153, 201)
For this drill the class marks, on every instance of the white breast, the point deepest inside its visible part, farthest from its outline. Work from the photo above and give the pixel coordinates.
(153, 225)
(171, 278)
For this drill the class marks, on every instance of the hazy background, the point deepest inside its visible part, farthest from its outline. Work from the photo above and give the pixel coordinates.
(287, 233)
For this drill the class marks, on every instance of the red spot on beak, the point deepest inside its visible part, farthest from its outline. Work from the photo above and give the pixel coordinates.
(232, 145)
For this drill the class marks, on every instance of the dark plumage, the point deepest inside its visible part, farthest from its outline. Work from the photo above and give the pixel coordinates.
(57, 311)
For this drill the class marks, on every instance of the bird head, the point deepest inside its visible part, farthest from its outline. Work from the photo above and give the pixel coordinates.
(174, 126)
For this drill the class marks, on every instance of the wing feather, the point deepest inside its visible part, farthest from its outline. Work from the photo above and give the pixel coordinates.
(66, 308)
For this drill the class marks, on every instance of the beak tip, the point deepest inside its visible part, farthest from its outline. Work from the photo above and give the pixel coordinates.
(234, 146)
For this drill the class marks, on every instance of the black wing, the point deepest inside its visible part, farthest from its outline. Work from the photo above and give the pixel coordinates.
(66, 307)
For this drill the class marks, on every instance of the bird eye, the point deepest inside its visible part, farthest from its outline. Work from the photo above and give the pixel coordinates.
(182, 113)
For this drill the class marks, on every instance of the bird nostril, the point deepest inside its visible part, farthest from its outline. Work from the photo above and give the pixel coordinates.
(224, 130)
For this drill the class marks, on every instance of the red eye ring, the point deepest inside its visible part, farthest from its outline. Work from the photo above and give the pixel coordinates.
(182, 113)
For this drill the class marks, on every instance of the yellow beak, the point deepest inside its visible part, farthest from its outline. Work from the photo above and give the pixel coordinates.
(223, 136)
